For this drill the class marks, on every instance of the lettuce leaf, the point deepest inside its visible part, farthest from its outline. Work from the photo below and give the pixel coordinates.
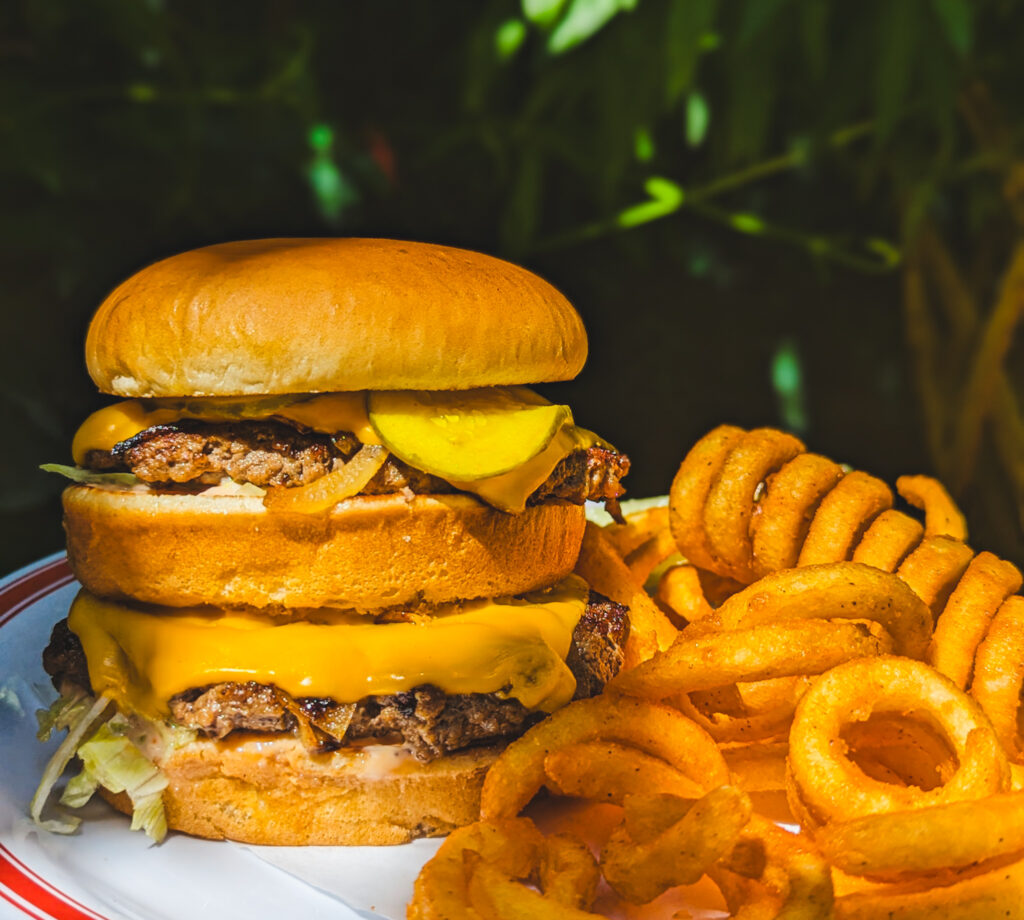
(63, 713)
(78, 719)
(89, 477)
(109, 759)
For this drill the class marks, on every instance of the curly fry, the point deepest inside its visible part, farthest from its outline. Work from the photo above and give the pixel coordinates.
(933, 569)
(690, 489)
(842, 590)
(942, 517)
(680, 590)
(999, 674)
(843, 516)
(987, 582)
(891, 537)
(783, 516)
(730, 502)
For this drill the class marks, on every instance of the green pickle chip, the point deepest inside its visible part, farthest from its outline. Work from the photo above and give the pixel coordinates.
(466, 435)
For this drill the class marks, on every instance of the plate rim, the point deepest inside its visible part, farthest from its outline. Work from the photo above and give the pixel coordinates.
(20, 886)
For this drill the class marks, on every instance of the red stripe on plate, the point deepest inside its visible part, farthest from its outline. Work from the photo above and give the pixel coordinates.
(24, 888)
(32, 586)
(17, 878)
(10, 900)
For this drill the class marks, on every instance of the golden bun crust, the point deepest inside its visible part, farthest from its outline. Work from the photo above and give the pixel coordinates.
(368, 552)
(267, 790)
(322, 315)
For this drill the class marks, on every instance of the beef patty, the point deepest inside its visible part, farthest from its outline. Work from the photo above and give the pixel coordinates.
(427, 720)
(271, 453)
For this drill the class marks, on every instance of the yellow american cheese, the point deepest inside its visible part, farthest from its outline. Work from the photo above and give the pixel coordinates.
(515, 648)
(327, 412)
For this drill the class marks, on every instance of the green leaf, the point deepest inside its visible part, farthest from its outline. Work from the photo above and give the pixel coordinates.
(788, 383)
(666, 197)
(899, 25)
(957, 19)
(688, 23)
(698, 116)
(509, 37)
(89, 477)
(333, 191)
(321, 138)
(584, 19)
(643, 145)
(891, 255)
(542, 13)
(747, 223)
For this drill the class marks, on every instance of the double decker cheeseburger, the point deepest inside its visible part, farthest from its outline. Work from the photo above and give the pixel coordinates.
(326, 541)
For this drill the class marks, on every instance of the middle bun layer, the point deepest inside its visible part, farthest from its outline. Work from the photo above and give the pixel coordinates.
(368, 552)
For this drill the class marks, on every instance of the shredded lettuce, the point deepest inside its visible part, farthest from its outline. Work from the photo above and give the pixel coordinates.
(63, 713)
(89, 477)
(109, 759)
(78, 720)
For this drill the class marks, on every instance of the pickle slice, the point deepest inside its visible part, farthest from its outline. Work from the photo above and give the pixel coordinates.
(466, 435)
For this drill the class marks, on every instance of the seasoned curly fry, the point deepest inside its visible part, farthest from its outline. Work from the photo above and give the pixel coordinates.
(604, 771)
(603, 569)
(690, 490)
(941, 515)
(842, 518)
(650, 554)
(773, 649)
(999, 674)
(842, 590)
(783, 516)
(891, 537)
(987, 582)
(680, 590)
(639, 871)
(730, 503)
(933, 569)
(518, 773)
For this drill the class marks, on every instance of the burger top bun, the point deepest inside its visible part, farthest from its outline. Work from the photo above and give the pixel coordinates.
(323, 315)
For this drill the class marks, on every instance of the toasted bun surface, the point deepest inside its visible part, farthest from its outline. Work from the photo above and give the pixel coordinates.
(368, 552)
(268, 790)
(322, 315)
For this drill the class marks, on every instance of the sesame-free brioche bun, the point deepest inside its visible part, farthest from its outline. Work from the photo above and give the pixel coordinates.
(267, 789)
(367, 552)
(327, 315)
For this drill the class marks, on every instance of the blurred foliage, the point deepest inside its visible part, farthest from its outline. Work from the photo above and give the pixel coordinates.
(747, 153)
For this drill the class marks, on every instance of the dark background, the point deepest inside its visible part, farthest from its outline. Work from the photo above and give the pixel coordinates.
(740, 198)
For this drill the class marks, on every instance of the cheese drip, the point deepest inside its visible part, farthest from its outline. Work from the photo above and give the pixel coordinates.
(515, 648)
(328, 413)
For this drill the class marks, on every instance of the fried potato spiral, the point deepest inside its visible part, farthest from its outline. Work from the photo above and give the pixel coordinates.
(747, 504)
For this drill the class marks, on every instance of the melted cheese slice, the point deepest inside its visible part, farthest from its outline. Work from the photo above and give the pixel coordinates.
(329, 413)
(515, 648)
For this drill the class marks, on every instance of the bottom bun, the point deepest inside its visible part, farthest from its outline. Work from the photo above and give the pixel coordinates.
(267, 789)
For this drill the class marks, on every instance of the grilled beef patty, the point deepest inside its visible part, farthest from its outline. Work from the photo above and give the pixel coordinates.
(271, 453)
(427, 720)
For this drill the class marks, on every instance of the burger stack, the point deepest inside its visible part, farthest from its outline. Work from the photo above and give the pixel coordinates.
(326, 538)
